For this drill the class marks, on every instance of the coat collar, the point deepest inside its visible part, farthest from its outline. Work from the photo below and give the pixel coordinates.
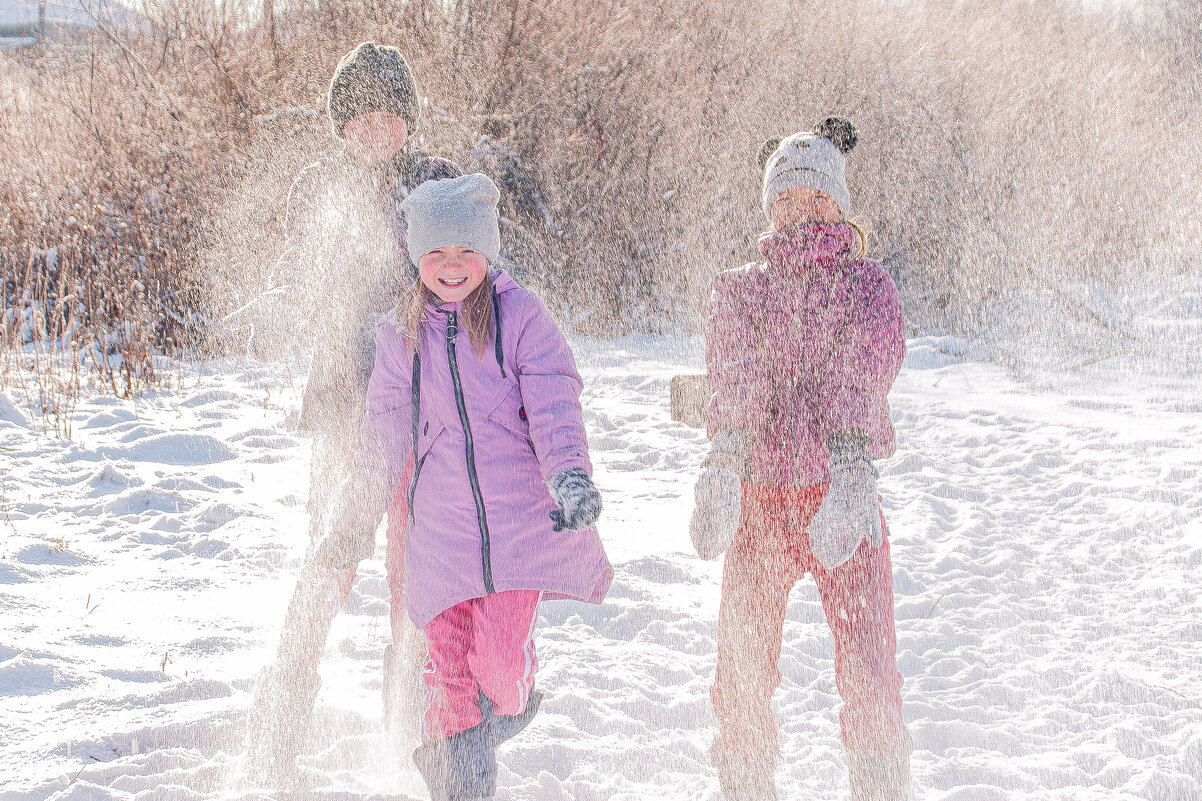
(818, 245)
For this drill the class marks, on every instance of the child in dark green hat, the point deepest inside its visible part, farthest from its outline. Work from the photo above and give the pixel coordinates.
(343, 266)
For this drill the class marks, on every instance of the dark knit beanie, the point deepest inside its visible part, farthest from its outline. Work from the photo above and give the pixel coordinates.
(372, 78)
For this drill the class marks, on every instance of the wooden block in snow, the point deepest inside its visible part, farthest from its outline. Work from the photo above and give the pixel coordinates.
(690, 396)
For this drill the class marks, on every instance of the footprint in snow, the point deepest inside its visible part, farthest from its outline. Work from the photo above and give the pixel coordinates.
(174, 449)
(210, 397)
(109, 479)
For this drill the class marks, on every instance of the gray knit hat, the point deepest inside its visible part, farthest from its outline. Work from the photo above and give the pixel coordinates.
(372, 78)
(454, 212)
(812, 159)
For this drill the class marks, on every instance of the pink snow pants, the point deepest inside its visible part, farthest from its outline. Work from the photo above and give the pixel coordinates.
(770, 553)
(481, 645)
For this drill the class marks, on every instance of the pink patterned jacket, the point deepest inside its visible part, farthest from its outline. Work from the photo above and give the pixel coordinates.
(800, 346)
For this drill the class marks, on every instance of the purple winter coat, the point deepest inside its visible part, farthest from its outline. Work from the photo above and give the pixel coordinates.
(802, 345)
(523, 411)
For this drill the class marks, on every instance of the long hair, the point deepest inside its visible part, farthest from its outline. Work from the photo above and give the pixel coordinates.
(861, 236)
(475, 313)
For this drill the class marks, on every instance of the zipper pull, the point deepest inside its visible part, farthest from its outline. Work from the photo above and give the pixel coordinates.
(452, 327)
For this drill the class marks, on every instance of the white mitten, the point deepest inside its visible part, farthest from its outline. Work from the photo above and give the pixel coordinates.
(850, 511)
(717, 495)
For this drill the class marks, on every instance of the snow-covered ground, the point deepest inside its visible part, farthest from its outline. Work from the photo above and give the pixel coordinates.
(1047, 551)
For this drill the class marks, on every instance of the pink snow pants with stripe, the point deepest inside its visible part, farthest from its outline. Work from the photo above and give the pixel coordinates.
(483, 644)
(770, 553)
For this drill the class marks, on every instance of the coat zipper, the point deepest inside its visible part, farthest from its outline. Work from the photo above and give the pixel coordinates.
(416, 411)
(417, 471)
(485, 551)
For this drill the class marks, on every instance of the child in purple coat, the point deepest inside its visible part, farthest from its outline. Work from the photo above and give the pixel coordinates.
(474, 380)
(801, 350)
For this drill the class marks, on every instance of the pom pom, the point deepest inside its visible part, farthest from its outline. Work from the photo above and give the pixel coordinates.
(841, 132)
(766, 150)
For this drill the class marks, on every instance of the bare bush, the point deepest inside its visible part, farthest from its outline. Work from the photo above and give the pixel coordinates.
(99, 207)
(1004, 152)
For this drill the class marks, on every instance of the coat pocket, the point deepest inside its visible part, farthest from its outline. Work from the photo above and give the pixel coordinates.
(428, 432)
(510, 414)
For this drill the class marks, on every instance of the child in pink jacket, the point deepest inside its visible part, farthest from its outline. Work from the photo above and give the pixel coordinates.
(475, 383)
(801, 350)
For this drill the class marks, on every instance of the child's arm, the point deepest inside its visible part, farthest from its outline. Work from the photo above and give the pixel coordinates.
(276, 315)
(386, 438)
(738, 406)
(551, 387)
(739, 381)
(866, 360)
(855, 422)
(300, 219)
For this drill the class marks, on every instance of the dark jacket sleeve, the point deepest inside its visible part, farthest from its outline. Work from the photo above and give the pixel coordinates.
(386, 435)
(299, 224)
(435, 168)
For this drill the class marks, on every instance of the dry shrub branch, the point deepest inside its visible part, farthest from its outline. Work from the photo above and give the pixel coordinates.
(1012, 150)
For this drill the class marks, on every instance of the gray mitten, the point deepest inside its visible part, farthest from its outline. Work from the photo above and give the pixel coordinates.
(718, 494)
(578, 500)
(850, 511)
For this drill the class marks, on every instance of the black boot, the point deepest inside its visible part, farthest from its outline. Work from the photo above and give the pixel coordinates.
(746, 775)
(505, 727)
(463, 767)
(880, 777)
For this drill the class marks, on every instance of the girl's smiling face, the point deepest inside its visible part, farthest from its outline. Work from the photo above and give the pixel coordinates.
(802, 206)
(452, 273)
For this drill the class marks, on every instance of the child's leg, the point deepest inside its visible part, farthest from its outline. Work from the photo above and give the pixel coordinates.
(457, 758)
(751, 617)
(482, 645)
(761, 567)
(405, 659)
(451, 690)
(857, 597)
(329, 461)
(287, 689)
(502, 655)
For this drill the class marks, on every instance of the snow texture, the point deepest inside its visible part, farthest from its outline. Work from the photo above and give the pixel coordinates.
(1046, 550)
